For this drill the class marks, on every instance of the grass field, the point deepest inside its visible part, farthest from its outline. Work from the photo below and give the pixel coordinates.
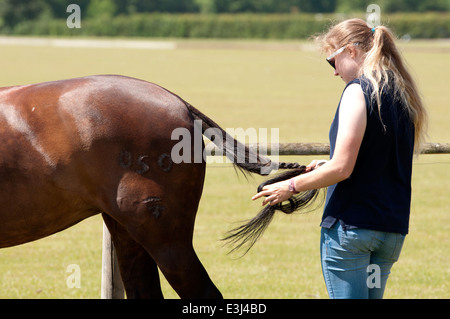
(243, 84)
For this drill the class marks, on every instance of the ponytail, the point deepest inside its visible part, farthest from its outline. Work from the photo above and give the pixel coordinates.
(384, 65)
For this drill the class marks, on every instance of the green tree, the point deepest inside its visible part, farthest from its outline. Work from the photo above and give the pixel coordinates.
(101, 9)
(206, 6)
(390, 6)
(168, 6)
(14, 11)
(274, 6)
(416, 5)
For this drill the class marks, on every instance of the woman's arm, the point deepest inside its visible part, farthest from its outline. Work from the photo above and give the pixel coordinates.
(352, 125)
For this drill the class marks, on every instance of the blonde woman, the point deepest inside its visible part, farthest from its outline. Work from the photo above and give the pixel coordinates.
(379, 123)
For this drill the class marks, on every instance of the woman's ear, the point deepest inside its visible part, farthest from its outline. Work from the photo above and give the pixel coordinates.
(353, 51)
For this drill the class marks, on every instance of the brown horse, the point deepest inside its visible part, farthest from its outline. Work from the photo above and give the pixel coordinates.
(103, 144)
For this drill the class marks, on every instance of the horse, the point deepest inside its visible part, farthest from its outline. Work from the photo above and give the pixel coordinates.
(103, 144)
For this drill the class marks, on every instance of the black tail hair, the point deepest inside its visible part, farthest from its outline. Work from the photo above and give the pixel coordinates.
(249, 233)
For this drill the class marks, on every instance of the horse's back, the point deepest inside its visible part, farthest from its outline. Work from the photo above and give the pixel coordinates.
(66, 145)
(62, 116)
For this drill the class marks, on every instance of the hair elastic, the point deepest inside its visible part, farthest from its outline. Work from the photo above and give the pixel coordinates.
(373, 29)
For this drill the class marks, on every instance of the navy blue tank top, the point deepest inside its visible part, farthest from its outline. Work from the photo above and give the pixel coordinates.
(377, 195)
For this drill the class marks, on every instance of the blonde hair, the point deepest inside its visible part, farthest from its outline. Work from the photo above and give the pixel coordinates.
(383, 64)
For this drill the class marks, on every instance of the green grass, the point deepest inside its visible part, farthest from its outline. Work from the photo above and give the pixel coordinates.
(292, 90)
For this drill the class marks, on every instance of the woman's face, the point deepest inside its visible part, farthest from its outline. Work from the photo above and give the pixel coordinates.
(348, 63)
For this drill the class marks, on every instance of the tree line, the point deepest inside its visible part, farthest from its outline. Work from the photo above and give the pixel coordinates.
(13, 12)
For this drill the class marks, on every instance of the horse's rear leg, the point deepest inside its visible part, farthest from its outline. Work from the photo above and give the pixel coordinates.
(170, 245)
(181, 267)
(161, 219)
(138, 269)
(184, 271)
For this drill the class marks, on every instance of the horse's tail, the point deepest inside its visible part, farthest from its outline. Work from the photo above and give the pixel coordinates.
(250, 232)
(242, 157)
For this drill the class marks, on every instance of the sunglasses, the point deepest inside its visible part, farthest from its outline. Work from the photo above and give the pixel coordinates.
(330, 59)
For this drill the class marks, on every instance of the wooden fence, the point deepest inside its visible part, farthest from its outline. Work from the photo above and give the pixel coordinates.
(112, 287)
(324, 148)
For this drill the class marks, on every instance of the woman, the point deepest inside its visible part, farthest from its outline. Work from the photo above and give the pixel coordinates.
(379, 123)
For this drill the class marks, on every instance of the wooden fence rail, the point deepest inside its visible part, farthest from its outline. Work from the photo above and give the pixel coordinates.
(324, 148)
(112, 286)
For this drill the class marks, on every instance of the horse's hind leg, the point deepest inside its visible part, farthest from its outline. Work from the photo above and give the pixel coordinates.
(186, 274)
(138, 269)
(160, 216)
(173, 251)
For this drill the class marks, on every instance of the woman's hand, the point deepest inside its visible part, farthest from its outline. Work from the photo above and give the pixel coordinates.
(314, 165)
(276, 193)
(279, 192)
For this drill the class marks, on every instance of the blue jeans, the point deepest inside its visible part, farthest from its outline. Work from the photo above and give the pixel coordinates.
(356, 263)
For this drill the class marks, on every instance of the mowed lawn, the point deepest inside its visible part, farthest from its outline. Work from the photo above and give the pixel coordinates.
(287, 86)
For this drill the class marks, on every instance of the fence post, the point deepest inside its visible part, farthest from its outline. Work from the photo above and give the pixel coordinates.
(112, 286)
